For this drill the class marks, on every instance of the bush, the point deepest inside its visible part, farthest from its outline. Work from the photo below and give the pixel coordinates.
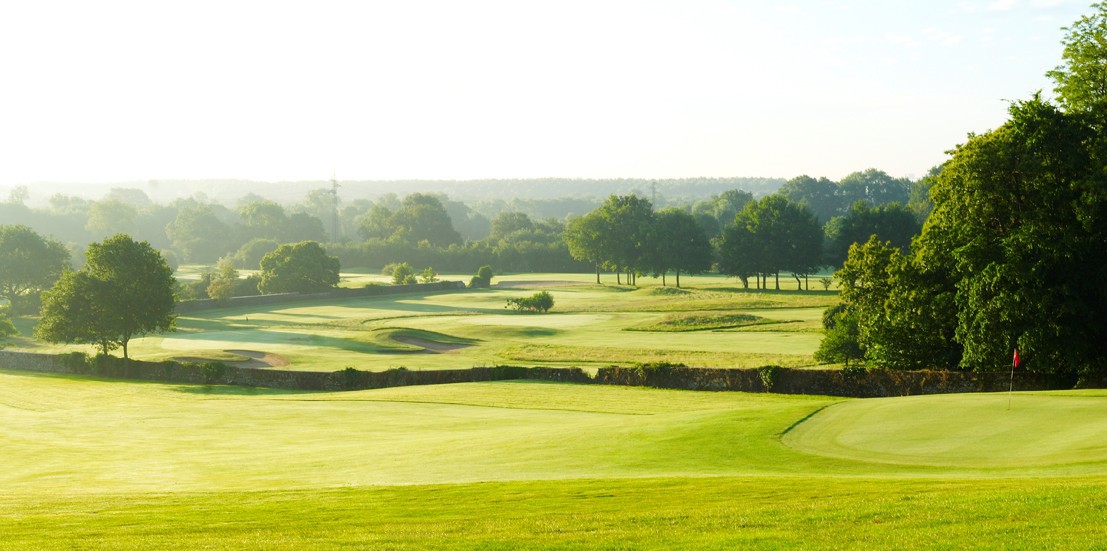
(768, 375)
(428, 276)
(213, 371)
(403, 274)
(538, 302)
(352, 378)
(483, 279)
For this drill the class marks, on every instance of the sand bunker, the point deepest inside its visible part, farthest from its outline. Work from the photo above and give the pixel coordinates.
(255, 359)
(433, 347)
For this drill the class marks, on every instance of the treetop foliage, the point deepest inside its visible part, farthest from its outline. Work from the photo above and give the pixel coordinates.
(124, 290)
(1014, 253)
(302, 267)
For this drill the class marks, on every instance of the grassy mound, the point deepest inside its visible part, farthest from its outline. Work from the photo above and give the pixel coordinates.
(703, 322)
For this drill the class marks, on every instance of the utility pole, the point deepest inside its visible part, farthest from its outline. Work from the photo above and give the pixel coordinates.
(334, 215)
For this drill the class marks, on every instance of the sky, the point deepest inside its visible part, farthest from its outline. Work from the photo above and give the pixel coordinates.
(114, 91)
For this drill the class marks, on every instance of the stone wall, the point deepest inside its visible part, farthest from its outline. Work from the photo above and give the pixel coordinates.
(858, 383)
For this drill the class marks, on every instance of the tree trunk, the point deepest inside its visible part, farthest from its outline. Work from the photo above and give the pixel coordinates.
(618, 277)
(745, 282)
(678, 278)
(663, 284)
(799, 284)
(597, 274)
(777, 277)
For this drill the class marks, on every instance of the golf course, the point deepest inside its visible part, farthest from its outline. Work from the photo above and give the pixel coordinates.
(93, 463)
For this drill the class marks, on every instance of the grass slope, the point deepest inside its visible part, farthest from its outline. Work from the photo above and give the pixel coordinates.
(92, 463)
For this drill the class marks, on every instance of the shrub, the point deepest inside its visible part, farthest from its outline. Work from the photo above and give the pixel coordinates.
(351, 378)
(538, 302)
(213, 371)
(7, 328)
(403, 274)
(854, 372)
(428, 275)
(76, 362)
(483, 279)
(768, 375)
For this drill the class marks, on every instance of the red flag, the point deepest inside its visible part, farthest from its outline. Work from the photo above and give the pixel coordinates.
(1015, 361)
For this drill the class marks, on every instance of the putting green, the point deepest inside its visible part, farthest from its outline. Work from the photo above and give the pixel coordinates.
(961, 430)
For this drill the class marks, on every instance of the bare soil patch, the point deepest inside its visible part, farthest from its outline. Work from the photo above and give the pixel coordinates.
(432, 347)
(259, 359)
(256, 359)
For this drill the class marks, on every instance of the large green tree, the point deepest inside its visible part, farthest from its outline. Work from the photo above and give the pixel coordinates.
(124, 290)
(768, 236)
(1019, 223)
(29, 263)
(819, 195)
(677, 244)
(1013, 255)
(629, 220)
(420, 217)
(1014, 252)
(198, 234)
(890, 222)
(585, 237)
(302, 267)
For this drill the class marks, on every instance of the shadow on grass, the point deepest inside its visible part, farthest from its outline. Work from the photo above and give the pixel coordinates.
(233, 390)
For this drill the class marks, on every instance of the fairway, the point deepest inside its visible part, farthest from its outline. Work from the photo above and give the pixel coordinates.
(528, 464)
(590, 326)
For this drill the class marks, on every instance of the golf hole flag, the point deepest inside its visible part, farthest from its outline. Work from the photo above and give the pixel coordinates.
(1015, 360)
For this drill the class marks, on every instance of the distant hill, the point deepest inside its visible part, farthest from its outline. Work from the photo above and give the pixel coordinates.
(230, 191)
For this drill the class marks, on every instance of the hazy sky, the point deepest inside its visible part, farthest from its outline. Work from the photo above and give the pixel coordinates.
(270, 90)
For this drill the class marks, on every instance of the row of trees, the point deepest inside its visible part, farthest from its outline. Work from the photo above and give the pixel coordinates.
(625, 235)
(1014, 254)
(198, 230)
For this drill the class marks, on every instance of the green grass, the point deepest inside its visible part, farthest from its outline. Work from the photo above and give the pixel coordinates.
(587, 327)
(91, 463)
(982, 430)
(702, 322)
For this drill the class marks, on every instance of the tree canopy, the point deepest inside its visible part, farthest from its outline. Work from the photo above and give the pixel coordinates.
(29, 263)
(1014, 252)
(124, 290)
(768, 236)
(1081, 81)
(302, 267)
(889, 222)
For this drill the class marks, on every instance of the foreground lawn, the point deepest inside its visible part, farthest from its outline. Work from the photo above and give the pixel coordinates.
(696, 513)
(110, 464)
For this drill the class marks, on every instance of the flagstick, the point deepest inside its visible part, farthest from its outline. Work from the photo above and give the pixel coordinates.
(1011, 389)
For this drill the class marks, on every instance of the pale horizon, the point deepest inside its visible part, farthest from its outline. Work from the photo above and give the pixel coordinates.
(114, 92)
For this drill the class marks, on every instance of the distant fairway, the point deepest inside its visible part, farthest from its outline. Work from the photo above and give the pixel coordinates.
(93, 463)
(590, 326)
